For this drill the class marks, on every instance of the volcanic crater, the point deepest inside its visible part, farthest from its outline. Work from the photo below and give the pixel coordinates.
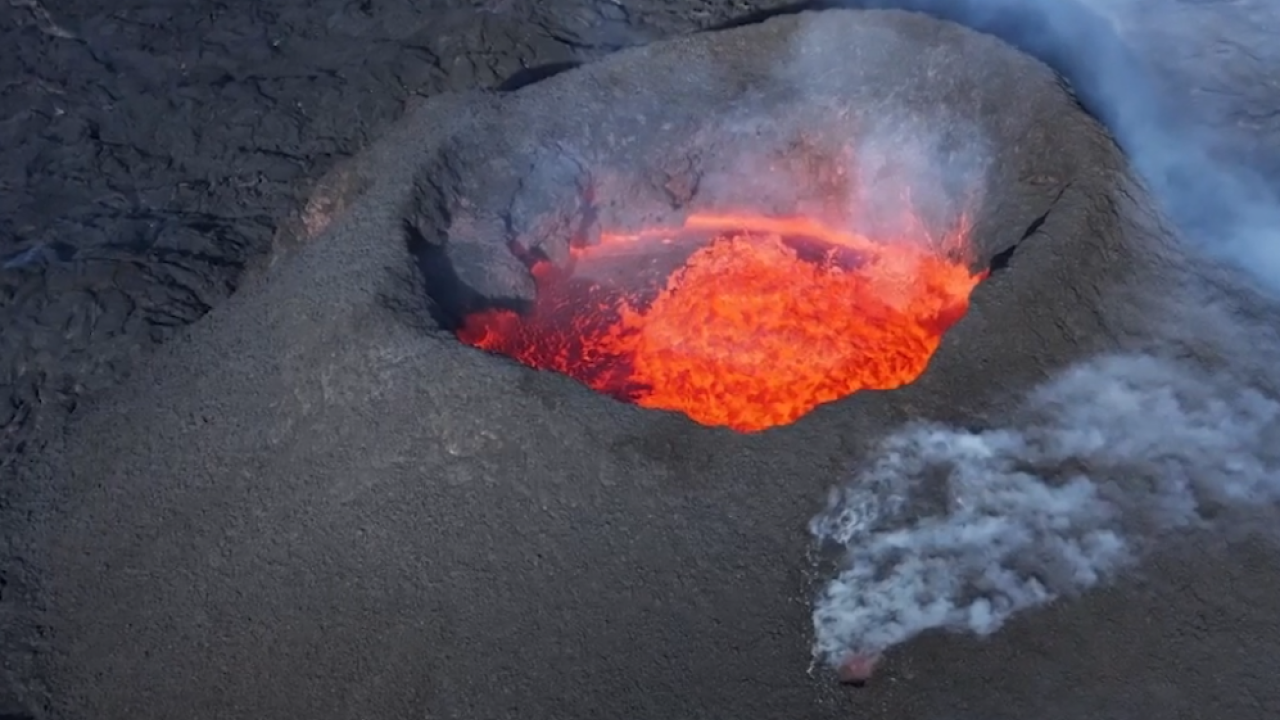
(456, 533)
(741, 252)
(645, 279)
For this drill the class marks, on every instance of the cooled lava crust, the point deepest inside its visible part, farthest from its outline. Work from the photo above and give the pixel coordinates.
(320, 503)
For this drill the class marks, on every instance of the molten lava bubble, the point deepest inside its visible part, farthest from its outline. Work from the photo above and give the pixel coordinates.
(740, 321)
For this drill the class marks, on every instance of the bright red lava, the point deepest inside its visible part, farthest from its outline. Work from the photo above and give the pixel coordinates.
(741, 321)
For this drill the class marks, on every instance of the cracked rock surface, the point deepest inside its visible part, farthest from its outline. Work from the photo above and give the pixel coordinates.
(309, 507)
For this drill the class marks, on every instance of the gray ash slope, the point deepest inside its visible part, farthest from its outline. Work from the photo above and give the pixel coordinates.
(311, 507)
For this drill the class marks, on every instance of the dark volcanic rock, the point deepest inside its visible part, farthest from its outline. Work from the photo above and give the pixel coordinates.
(309, 508)
(551, 207)
(472, 251)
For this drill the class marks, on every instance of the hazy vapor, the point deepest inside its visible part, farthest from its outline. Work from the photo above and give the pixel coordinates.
(957, 530)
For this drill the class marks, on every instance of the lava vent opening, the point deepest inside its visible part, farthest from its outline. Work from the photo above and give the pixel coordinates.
(656, 287)
(739, 320)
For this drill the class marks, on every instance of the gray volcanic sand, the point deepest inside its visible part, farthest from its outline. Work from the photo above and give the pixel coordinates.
(315, 505)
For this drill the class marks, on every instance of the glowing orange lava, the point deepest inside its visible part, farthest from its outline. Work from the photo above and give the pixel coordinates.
(736, 320)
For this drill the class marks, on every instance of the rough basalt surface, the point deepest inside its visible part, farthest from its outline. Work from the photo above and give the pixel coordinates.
(313, 504)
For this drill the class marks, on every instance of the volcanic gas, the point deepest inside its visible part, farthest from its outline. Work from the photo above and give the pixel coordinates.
(737, 320)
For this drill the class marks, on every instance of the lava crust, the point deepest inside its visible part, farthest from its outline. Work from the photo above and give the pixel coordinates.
(319, 503)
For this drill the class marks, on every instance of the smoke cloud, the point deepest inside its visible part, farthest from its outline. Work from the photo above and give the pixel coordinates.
(1226, 208)
(959, 530)
(952, 529)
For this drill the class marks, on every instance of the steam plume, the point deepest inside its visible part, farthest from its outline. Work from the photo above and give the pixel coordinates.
(1227, 209)
(953, 529)
(959, 530)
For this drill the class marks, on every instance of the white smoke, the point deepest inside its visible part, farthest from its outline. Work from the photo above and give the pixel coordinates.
(1228, 208)
(959, 530)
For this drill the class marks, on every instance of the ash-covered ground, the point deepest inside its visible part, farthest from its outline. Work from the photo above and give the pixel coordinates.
(309, 505)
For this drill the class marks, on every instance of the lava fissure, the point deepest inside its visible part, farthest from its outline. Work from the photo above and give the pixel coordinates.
(527, 76)
(1000, 261)
(1033, 227)
(736, 320)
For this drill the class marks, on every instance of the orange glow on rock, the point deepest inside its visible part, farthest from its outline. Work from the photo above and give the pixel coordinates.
(741, 321)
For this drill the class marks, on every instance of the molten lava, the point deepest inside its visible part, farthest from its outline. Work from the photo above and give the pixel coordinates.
(742, 321)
